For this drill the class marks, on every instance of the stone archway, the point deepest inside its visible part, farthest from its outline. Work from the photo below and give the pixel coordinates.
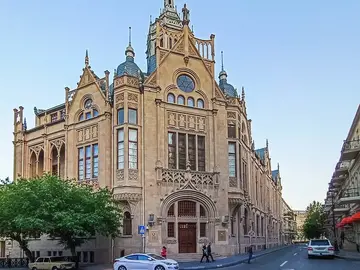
(189, 217)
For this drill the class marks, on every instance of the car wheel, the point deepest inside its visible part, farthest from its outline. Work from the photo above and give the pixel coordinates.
(54, 268)
(159, 267)
(34, 268)
(121, 267)
(309, 257)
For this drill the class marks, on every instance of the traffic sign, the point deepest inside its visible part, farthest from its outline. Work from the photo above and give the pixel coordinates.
(141, 229)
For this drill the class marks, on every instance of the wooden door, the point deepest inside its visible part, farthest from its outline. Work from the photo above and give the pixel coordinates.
(187, 237)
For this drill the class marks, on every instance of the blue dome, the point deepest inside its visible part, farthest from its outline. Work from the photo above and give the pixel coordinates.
(129, 67)
(227, 88)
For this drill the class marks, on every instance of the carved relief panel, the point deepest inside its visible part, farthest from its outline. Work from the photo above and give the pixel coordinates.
(87, 134)
(187, 121)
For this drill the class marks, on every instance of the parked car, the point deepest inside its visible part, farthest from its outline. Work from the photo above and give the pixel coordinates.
(142, 261)
(51, 263)
(320, 247)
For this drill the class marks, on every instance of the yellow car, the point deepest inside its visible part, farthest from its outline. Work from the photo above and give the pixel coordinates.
(51, 263)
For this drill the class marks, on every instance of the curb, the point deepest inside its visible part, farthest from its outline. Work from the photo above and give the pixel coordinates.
(347, 258)
(229, 264)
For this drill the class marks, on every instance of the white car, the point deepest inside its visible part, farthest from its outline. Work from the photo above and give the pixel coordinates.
(142, 261)
(320, 247)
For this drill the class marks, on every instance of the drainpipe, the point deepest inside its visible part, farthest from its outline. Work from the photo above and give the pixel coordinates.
(143, 162)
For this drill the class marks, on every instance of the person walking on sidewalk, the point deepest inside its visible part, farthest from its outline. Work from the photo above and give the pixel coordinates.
(163, 252)
(204, 254)
(250, 251)
(209, 252)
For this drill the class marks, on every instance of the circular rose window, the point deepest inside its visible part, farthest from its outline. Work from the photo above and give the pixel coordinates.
(185, 83)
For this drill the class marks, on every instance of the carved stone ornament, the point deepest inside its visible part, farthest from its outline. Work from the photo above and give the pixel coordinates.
(36, 149)
(58, 143)
(127, 197)
(132, 97)
(171, 241)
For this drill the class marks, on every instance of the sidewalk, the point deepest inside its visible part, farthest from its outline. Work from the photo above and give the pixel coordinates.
(219, 263)
(227, 262)
(348, 255)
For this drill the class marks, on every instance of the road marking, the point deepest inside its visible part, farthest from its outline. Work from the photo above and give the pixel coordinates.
(295, 254)
(281, 265)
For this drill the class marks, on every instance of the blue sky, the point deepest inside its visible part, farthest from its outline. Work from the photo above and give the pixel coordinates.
(299, 62)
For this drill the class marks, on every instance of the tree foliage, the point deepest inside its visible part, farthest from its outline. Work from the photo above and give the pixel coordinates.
(63, 209)
(315, 221)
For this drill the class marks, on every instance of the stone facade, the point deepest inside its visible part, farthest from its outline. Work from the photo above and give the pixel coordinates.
(343, 197)
(175, 146)
(300, 220)
(288, 228)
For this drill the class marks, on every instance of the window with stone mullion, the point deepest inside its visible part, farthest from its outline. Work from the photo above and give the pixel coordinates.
(192, 151)
(182, 151)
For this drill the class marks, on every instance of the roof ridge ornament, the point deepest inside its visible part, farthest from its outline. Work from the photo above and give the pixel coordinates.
(186, 15)
(87, 58)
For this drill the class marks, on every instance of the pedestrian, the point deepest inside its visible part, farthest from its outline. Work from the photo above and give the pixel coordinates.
(209, 252)
(204, 254)
(163, 252)
(250, 251)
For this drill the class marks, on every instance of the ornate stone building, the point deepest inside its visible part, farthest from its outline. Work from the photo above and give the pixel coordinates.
(173, 143)
(342, 202)
(289, 231)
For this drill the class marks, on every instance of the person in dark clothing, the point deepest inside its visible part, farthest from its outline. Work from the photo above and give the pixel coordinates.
(250, 251)
(209, 251)
(205, 254)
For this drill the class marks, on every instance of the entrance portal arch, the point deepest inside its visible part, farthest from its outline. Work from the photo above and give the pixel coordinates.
(189, 216)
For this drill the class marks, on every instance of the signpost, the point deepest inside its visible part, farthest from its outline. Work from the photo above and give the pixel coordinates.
(141, 231)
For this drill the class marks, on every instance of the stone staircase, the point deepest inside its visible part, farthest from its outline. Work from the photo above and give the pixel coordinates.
(187, 257)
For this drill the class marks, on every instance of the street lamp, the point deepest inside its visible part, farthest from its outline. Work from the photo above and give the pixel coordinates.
(331, 190)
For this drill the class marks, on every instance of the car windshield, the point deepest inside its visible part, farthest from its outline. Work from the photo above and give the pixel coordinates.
(156, 257)
(57, 259)
(320, 242)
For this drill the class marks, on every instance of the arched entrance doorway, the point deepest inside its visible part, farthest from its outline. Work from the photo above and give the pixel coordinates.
(189, 219)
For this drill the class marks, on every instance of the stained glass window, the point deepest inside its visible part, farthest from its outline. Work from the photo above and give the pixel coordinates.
(185, 83)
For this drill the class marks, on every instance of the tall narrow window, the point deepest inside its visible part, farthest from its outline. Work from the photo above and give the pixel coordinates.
(120, 116)
(133, 149)
(88, 162)
(201, 153)
(171, 98)
(231, 130)
(192, 151)
(81, 164)
(181, 100)
(182, 151)
(232, 159)
(200, 103)
(190, 102)
(132, 115)
(95, 161)
(120, 153)
(172, 150)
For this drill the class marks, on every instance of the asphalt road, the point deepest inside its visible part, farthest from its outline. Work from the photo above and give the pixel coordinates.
(296, 259)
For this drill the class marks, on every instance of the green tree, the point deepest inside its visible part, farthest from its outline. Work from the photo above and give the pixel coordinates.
(60, 208)
(20, 216)
(315, 221)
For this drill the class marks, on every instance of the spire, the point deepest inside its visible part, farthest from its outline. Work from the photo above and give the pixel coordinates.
(222, 61)
(86, 58)
(278, 166)
(222, 74)
(129, 52)
(267, 144)
(243, 94)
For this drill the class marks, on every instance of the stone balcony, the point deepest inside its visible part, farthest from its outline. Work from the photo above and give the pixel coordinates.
(351, 195)
(338, 179)
(341, 209)
(350, 150)
(341, 168)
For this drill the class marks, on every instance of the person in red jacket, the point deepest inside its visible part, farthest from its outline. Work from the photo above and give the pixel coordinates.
(163, 252)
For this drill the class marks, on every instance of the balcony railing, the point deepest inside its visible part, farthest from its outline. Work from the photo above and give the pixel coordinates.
(350, 150)
(351, 195)
(341, 208)
(341, 168)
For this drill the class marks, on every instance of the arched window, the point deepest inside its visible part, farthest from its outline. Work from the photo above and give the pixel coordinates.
(190, 102)
(86, 115)
(127, 224)
(181, 100)
(200, 103)
(161, 42)
(171, 98)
